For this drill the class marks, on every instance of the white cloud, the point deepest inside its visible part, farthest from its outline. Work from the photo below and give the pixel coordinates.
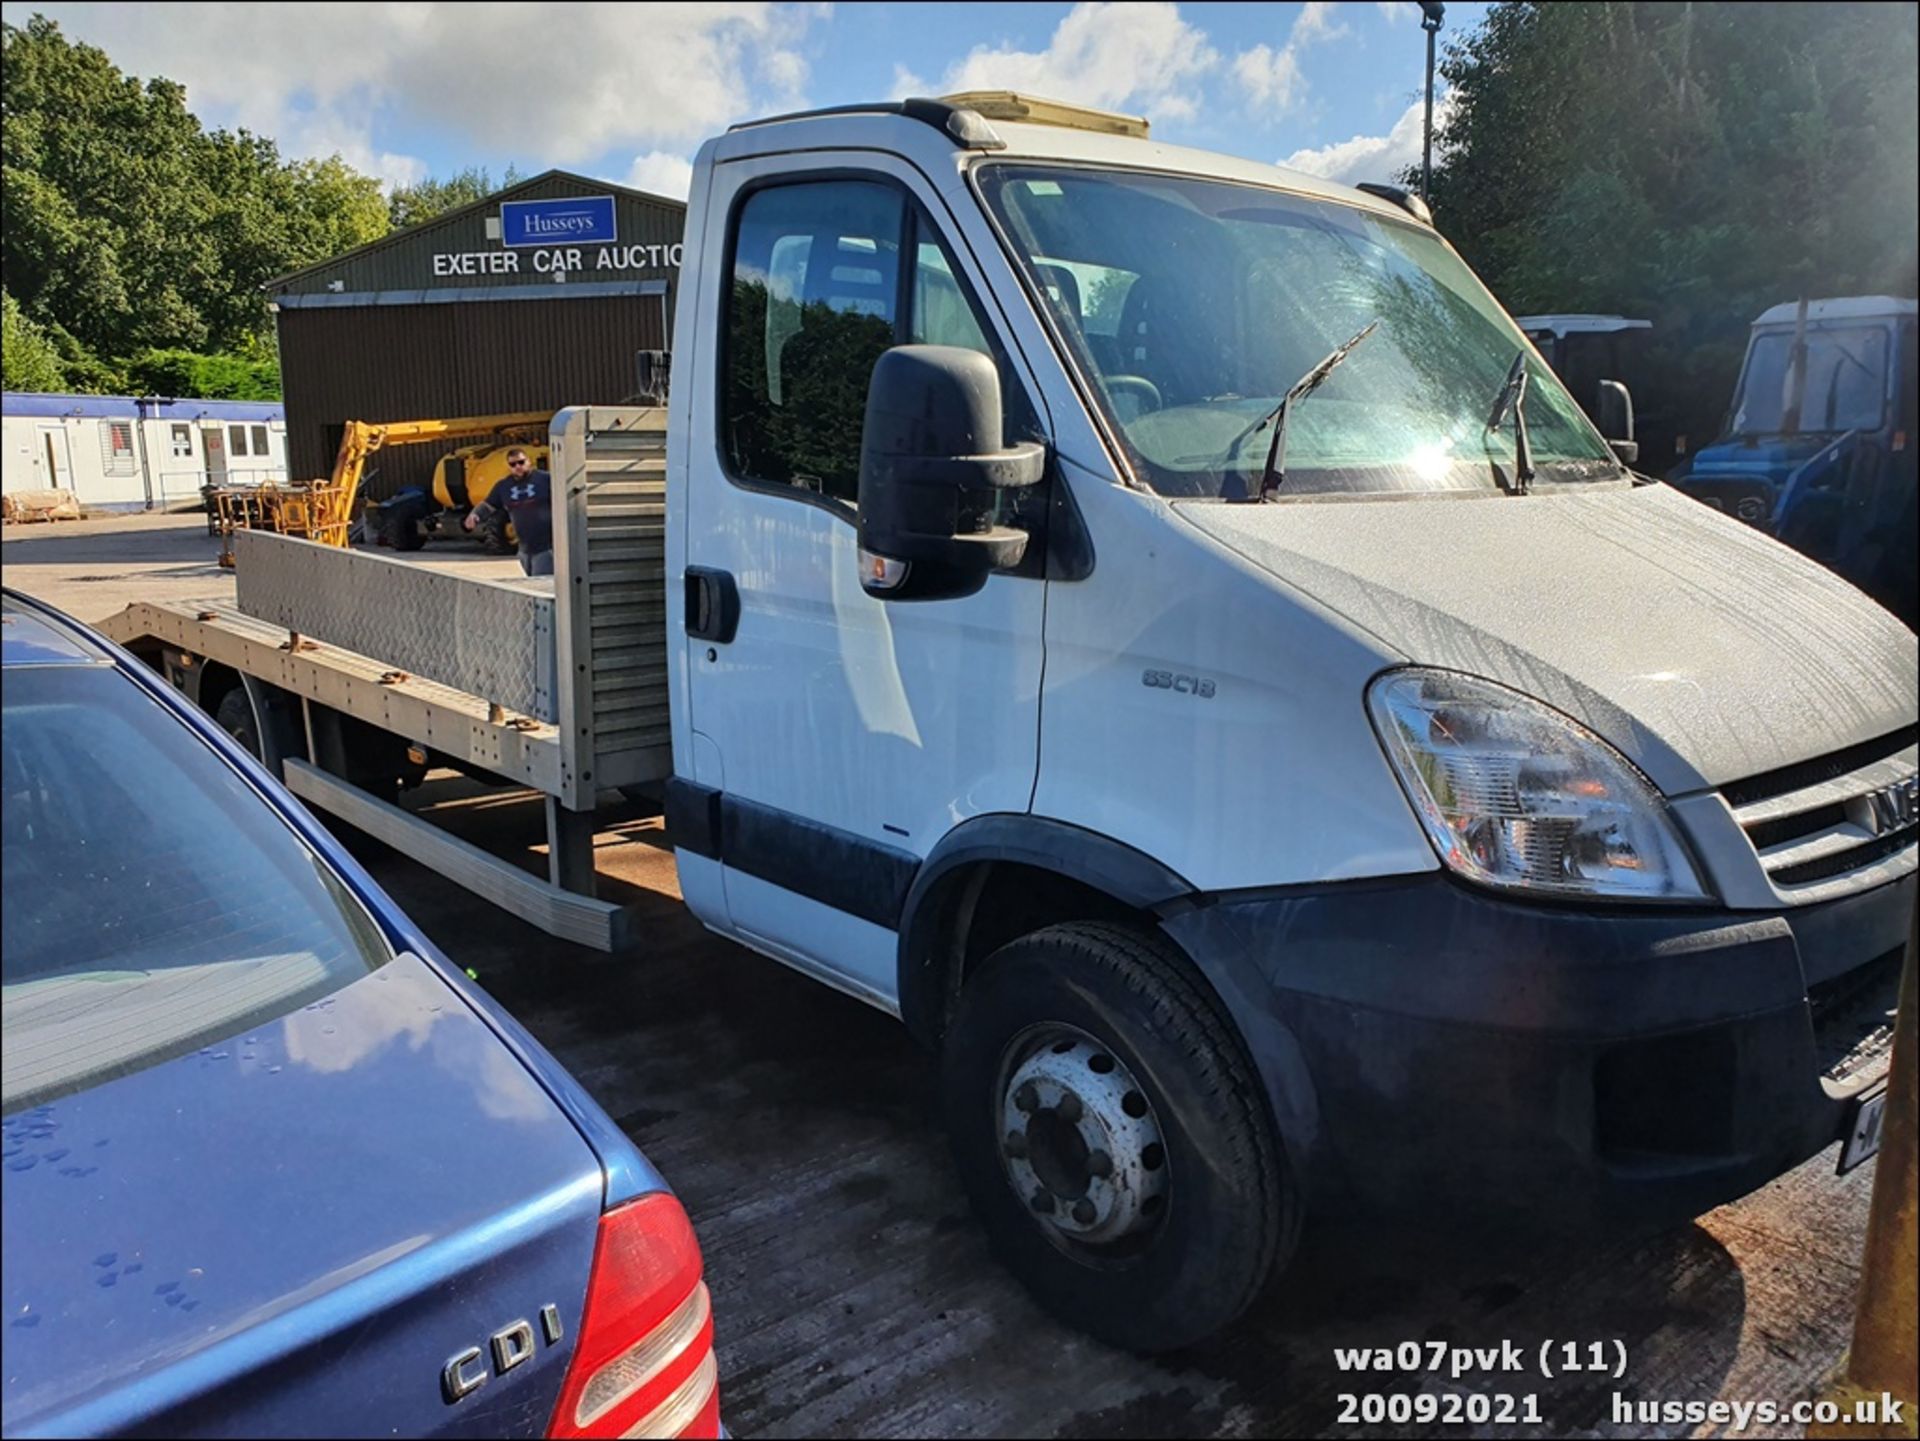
(1271, 78)
(660, 172)
(1137, 56)
(324, 133)
(1374, 157)
(906, 83)
(547, 84)
(1316, 22)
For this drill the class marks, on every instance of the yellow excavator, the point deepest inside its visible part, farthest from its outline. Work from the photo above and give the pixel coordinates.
(323, 510)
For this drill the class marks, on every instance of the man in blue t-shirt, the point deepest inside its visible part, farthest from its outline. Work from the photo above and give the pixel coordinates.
(527, 496)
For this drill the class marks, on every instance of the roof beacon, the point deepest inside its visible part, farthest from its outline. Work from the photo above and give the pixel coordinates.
(1031, 110)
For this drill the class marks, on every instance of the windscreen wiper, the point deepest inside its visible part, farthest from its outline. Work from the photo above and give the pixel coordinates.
(1513, 396)
(1273, 474)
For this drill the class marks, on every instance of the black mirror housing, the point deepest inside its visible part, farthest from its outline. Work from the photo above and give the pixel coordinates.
(932, 465)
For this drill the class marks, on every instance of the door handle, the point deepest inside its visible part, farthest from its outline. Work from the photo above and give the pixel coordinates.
(713, 604)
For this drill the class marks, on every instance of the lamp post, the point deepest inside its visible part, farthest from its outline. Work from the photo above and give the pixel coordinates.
(1432, 12)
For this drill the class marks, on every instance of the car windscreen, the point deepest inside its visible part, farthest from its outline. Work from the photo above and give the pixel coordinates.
(1193, 305)
(1846, 384)
(154, 902)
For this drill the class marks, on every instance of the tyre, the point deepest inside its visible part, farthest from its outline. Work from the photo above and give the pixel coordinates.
(234, 715)
(494, 537)
(403, 529)
(1113, 1136)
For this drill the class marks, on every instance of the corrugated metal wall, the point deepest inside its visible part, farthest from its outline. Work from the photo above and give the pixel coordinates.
(415, 362)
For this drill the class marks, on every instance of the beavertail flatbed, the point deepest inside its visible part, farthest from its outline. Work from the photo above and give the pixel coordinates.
(351, 673)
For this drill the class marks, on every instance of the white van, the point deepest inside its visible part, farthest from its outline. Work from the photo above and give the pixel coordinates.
(1151, 621)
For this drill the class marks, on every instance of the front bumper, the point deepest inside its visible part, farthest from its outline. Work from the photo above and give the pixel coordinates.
(1427, 1044)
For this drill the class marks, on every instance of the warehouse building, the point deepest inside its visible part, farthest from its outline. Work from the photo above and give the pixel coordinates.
(539, 296)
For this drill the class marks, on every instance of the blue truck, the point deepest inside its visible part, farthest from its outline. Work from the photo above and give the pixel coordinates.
(1818, 448)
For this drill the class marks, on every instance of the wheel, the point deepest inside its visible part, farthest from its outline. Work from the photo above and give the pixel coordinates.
(403, 528)
(1113, 1137)
(234, 715)
(494, 536)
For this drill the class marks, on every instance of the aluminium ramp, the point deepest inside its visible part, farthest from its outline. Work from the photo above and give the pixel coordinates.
(610, 618)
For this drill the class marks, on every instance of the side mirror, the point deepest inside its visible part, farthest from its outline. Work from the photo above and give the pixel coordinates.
(1613, 410)
(932, 465)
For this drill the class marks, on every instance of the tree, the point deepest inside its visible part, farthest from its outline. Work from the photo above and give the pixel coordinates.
(1689, 164)
(424, 199)
(131, 228)
(28, 360)
(213, 377)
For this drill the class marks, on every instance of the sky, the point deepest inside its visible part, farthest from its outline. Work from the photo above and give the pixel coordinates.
(626, 93)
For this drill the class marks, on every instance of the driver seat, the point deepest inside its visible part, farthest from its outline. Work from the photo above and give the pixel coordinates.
(1157, 345)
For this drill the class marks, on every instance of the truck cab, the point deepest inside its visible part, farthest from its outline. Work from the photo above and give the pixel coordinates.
(1818, 445)
(1264, 790)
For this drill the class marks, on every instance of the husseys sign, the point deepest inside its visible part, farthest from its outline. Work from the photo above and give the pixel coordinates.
(555, 237)
(581, 220)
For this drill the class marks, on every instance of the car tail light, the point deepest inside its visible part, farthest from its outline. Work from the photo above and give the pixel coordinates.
(643, 1365)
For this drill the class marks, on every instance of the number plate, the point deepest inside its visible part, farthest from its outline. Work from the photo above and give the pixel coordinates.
(1862, 1134)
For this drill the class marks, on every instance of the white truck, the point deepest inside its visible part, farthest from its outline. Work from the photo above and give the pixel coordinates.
(1150, 621)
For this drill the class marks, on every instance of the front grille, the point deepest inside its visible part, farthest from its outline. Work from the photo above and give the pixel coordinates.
(1840, 862)
(1853, 1017)
(1822, 768)
(1824, 819)
(1765, 834)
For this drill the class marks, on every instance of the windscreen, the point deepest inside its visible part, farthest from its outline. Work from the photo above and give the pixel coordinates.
(1193, 305)
(154, 902)
(1846, 382)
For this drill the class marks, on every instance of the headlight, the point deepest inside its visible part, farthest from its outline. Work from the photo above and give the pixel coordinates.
(1515, 794)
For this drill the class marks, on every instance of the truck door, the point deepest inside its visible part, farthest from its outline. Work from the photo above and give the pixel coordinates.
(846, 734)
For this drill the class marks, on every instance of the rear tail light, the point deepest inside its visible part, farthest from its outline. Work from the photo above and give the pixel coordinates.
(643, 1365)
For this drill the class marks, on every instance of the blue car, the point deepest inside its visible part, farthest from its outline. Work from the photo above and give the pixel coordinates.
(272, 1166)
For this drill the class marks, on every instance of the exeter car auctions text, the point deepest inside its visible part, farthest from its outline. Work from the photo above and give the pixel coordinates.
(558, 259)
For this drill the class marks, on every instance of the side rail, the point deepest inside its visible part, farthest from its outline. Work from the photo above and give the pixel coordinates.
(610, 614)
(492, 639)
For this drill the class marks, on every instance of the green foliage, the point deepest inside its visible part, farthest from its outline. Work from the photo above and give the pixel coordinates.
(83, 371)
(1688, 164)
(131, 230)
(825, 362)
(28, 360)
(423, 200)
(212, 377)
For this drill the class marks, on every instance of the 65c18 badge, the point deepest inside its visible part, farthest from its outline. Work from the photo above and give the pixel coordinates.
(1180, 684)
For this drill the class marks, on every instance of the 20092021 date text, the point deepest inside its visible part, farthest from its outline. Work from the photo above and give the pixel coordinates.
(1455, 1409)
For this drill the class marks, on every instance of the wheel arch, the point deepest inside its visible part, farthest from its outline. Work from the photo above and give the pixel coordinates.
(215, 679)
(995, 878)
(994, 874)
